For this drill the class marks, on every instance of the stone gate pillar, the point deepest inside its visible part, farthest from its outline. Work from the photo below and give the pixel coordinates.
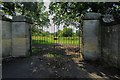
(91, 36)
(21, 36)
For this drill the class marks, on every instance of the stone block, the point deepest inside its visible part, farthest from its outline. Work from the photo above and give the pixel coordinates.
(18, 30)
(19, 47)
(6, 47)
(6, 30)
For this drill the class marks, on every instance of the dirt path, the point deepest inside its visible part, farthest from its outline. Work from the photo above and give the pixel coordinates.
(51, 62)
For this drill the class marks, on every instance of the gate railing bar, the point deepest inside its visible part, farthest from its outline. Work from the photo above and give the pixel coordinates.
(37, 36)
(30, 36)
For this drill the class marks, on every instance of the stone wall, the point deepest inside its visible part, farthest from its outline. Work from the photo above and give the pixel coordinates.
(111, 45)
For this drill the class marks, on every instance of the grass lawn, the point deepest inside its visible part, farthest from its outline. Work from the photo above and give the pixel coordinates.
(60, 40)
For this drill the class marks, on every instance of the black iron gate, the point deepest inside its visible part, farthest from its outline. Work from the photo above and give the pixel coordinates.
(57, 39)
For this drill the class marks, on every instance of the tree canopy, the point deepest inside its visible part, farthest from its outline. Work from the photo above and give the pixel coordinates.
(34, 10)
(69, 13)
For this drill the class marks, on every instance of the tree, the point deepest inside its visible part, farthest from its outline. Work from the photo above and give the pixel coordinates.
(34, 10)
(67, 32)
(68, 12)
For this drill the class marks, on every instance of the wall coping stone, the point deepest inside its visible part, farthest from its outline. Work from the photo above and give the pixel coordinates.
(92, 16)
(22, 18)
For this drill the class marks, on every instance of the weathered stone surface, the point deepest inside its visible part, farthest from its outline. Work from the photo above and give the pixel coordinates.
(92, 16)
(19, 47)
(110, 45)
(6, 38)
(6, 47)
(6, 30)
(19, 30)
(20, 36)
(14, 36)
(91, 50)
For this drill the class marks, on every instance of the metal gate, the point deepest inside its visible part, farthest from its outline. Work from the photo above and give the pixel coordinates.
(57, 39)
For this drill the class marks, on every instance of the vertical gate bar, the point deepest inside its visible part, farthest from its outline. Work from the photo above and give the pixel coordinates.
(65, 41)
(54, 37)
(41, 40)
(51, 35)
(71, 39)
(56, 34)
(30, 37)
(42, 35)
(37, 36)
(79, 41)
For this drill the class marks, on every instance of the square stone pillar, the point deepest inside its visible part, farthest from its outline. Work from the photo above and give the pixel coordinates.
(21, 36)
(91, 36)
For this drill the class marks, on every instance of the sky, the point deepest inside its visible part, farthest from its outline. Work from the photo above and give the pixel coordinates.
(52, 28)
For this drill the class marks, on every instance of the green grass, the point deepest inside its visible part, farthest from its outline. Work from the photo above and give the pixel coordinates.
(60, 40)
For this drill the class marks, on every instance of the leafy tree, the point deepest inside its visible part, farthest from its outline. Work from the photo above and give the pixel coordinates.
(68, 13)
(67, 32)
(34, 10)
